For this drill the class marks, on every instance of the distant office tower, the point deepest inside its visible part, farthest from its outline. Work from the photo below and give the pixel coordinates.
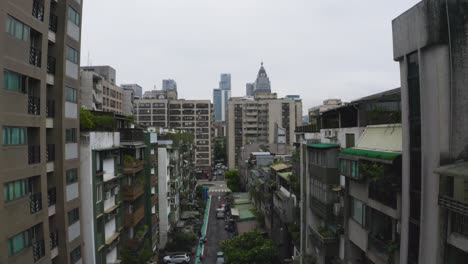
(225, 82)
(99, 91)
(262, 83)
(169, 84)
(170, 94)
(137, 89)
(39, 153)
(249, 89)
(220, 101)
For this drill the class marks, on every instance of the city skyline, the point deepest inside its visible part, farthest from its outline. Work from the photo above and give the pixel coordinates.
(291, 53)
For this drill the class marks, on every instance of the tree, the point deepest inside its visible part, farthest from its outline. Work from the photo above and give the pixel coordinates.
(181, 241)
(132, 256)
(233, 180)
(86, 119)
(250, 247)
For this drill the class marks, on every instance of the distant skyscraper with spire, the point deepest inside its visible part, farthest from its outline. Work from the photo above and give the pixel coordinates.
(262, 83)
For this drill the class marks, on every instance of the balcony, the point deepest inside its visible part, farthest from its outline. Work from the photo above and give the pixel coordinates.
(154, 180)
(50, 153)
(51, 64)
(38, 10)
(132, 219)
(154, 199)
(38, 250)
(324, 210)
(53, 239)
(53, 22)
(35, 204)
(132, 192)
(453, 205)
(51, 200)
(322, 238)
(34, 105)
(131, 135)
(379, 247)
(35, 56)
(138, 239)
(50, 108)
(133, 167)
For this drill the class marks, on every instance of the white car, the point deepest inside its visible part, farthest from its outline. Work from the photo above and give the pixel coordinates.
(220, 258)
(185, 259)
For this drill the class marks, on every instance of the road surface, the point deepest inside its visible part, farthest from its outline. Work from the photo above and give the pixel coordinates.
(215, 232)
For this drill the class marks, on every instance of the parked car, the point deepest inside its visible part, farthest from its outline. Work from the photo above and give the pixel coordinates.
(220, 258)
(184, 258)
(220, 213)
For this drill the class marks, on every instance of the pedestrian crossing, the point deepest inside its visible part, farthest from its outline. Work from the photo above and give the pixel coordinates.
(219, 190)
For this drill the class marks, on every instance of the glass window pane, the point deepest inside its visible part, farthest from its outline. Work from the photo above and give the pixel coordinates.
(26, 33)
(19, 30)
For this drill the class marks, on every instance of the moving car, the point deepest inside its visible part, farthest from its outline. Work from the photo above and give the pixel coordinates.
(220, 258)
(183, 258)
(220, 213)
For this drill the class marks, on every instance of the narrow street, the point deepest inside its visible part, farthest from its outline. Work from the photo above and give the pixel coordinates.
(215, 232)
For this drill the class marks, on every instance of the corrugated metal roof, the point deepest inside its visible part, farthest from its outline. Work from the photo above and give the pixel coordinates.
(280, 166)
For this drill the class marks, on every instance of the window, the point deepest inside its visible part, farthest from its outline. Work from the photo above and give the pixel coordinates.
(70, 135)
(72, 176)
(358, 211)
(72, 55)
(18, 243)
(17, 29)
(14, 136)
(73, 216)
(14, 81)
(75, 255)
(98, 193)
(349, 168)
(15, 190)
(71, 95)
(73, 16)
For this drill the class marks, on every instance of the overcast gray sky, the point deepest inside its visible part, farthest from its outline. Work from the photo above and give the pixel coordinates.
(316, 48)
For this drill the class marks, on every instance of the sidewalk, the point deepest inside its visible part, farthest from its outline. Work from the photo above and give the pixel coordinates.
(201, 246)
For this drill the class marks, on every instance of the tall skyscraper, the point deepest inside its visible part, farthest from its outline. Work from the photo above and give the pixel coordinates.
(262, 83)
(225, 82)
(249, 89)
(169, 84)
(39, 154)
(221, 97)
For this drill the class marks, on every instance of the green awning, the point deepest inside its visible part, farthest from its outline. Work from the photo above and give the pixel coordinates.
(323, 145)
(457, 170)
(285, 175)
(383, 155)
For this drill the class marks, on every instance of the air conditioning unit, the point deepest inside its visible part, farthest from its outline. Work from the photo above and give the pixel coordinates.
(330, 133)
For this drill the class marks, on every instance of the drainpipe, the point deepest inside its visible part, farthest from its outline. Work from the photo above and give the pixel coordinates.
(451, 79)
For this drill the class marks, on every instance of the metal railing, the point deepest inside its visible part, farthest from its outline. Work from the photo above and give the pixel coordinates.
(131, 135)
(453, 205)
(35, 56)
(34, 154)
(53, 22)
(53, 239)
(34, 105)
(35, 202)
(38, 10)
(38, 250)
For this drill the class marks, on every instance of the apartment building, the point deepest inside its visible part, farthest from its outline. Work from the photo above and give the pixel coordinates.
(430, 45)
(99, 90)
(193, 116)
(175, 178)
(40, 205)
(137, 89)
(325, 225)
(256, 121)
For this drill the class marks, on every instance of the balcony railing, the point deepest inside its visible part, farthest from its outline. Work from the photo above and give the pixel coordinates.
(51, 196)
(453, 205)
(35, 202)
(131, 135)
(50, 108)
(131, 192)
(34, 105)
(132, 219)
(324, 210)
(38, 250)
(53, 19)
(38, 10)
(322, 238)
(53, 239)
(379, 246)
(35, 56)
(34, 154)
(133, 167)
(51, 62)
(50, 152)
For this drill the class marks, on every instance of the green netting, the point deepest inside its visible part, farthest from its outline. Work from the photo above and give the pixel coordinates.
(371, 153)
(323, 146)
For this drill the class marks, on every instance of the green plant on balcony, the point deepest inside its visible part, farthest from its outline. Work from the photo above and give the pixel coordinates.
(295, 231)
(139, 234)
(128, 160)
(325, 232)
(372, 170)
(391, 248)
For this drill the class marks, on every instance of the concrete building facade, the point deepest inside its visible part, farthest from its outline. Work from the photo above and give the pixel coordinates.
(256, 120)
(98, 85)
(39, 155)
(430, 44)
(137, 89)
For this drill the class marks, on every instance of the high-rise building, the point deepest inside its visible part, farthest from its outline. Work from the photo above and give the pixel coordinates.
(225, 81)
(39, 155)
(262, 83)
(99, 91)
(169, 84)
(249, 89)
(430, 44)
(251, 121)
(194, 116)
(137, 89)
(220, 101)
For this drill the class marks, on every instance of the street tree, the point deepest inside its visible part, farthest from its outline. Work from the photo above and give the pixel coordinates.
(233, 180)
(250, 247)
